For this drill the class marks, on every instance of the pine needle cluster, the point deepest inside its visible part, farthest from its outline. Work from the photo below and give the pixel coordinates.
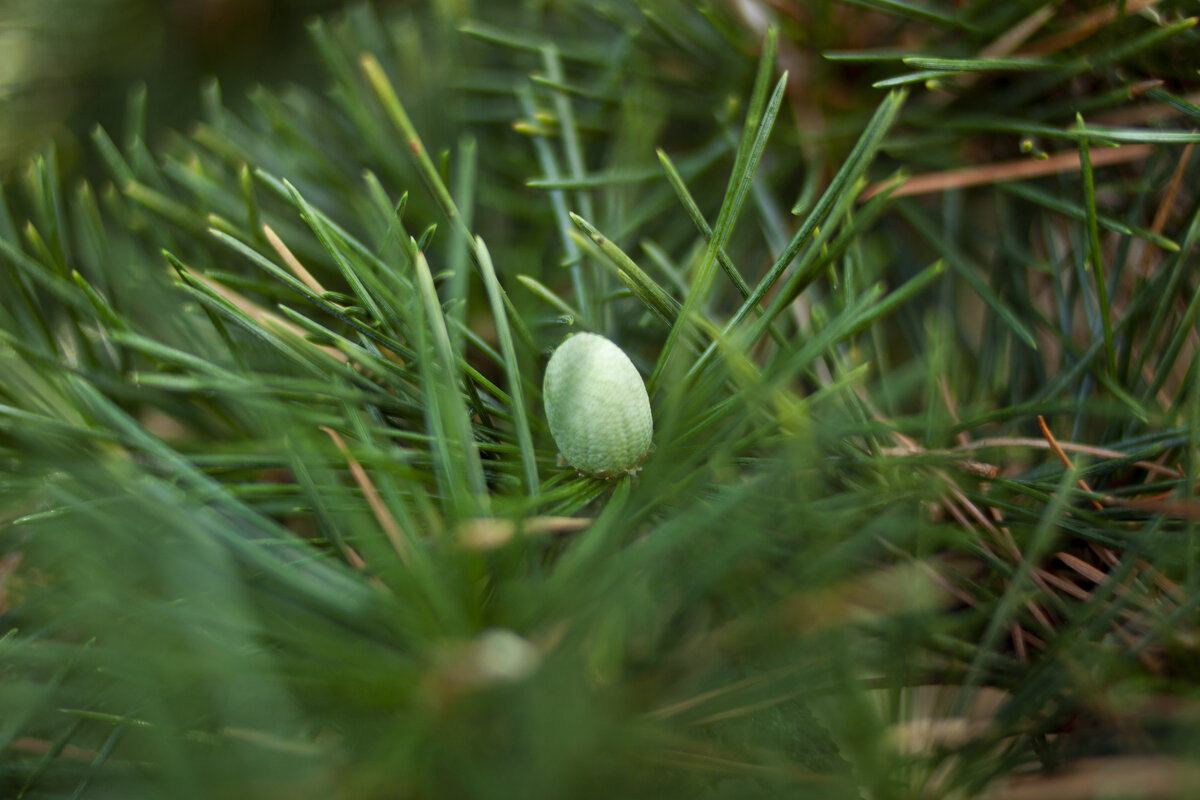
(912, 288)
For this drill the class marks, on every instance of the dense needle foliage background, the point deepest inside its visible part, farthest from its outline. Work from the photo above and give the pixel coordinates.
(912, 286)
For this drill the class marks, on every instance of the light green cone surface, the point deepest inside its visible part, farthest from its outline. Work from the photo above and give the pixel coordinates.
(597, 407)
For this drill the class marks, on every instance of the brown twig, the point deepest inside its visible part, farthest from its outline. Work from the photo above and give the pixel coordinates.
(1062, 456)
(1084, 26)
(1165, 206)
(262, 316)
(1071, 447)
(382, 513)
(291, 261)
(1004, 171)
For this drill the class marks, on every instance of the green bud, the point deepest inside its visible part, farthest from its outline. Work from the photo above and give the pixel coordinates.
(597, 407)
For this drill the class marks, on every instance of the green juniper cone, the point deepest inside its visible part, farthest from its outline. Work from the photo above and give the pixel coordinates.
(597, 407)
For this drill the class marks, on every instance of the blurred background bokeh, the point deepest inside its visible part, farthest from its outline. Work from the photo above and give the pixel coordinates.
(66, 64)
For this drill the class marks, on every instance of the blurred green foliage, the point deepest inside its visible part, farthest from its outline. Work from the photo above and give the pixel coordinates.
(281, 517)
(68, 64)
